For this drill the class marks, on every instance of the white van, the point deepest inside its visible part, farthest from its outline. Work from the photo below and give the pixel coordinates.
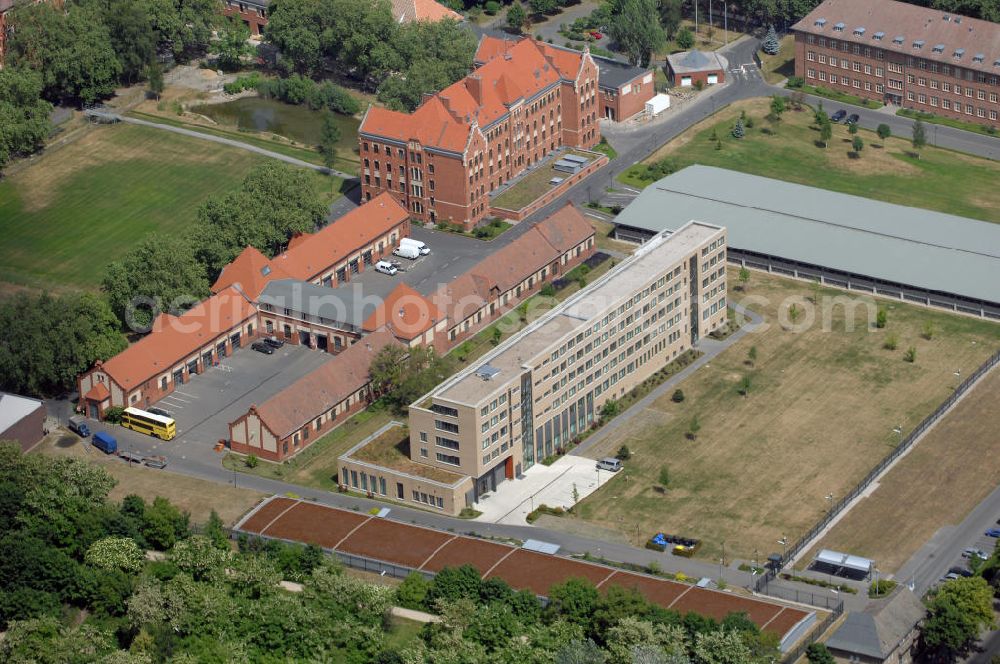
(385, 267)
(609, 463)
(421, 247)
(407, 251)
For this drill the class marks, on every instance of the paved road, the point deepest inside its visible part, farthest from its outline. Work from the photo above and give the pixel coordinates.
(108, 115)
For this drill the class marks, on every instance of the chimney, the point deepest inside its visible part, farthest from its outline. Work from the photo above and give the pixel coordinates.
(474, 84)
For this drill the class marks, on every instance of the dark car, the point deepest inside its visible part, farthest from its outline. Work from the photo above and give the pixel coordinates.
(262, 347)
(839, 115)
(853, 118)
(159, 411)
(274, 342)
(961, 571)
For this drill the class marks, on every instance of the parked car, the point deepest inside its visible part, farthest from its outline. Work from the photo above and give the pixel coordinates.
(262, 347)
(131, 457)
(596, 35)
(156, 410)
(950, 576)
(78, 425)
(993, 532)
(406, 251)
(609, 463)
(838, 116)
(105, 442)
(853, 118)
(974, 553)
(156, 461)
(961, 571)
(274, 342)
(385, 267)
(421, 247)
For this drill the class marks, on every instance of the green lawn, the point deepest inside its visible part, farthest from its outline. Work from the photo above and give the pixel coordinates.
(781, 65)
(986, 129)
(77, 208)
(837, 95)
(939, 179)
(533, 185)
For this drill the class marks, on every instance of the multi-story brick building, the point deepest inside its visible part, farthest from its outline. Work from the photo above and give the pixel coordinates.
(253, 13)
(546, 385)
(898, 53)
(625, 88)
(524, 100)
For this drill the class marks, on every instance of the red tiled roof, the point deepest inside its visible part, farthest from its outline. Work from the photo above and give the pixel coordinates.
(913, 23)
(99, 392)
(513, 70)
(249, 272)
(321, 389)
(565, 228)
(406, 313)
(310, 254)
(406, 11)
(174, 338)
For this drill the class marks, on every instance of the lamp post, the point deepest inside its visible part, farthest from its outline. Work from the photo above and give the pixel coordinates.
(722, 562)
(784, 549)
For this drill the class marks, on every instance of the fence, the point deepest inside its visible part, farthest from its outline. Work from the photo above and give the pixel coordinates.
(824, 625)
(900, 449)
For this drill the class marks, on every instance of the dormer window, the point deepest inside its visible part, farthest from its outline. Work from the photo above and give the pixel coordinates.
(919, 44)
(939, 48)
(878, 36)
(859, 32)
(996, 63)
(978, 57)
(820, 22)
(839, 27)
(959, 52)
(898, 40)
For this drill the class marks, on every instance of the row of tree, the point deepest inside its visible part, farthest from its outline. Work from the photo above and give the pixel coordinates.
(361, 41)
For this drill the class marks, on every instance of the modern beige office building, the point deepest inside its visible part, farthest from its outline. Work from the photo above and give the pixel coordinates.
(547, 384)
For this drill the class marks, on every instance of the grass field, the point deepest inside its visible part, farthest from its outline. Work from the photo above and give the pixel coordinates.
(195, 496)
(939, 180)
(76, 209)
(820, 413)
(780, 65)
(985, 128)
(936, 484)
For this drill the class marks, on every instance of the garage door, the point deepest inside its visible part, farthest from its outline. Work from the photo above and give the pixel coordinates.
(220, 349)
(685, 81)
(179, 377)
(193, 367)
(713, 79)
(235, 340)
(206, 360)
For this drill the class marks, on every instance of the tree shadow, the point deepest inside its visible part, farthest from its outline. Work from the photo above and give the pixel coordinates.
(851, 154)
(819, 144)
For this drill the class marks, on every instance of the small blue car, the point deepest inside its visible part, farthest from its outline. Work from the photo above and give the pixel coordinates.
(993, 532)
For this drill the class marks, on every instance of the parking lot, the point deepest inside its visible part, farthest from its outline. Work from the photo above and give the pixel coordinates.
(205, 405)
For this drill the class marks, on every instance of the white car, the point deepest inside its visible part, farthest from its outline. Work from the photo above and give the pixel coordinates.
(385, 267)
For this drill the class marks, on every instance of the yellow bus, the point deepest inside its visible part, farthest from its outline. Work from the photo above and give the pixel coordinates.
(150, 424)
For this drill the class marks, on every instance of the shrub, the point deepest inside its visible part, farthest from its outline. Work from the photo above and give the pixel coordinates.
(794, 82)
(252, 461)
(114, 414)
(910, 355)
(678, 395)
(927, 332)
(624, 453)
(881, 588)
(548, 290)
(881, 318)
(891, 342)
(492, 7)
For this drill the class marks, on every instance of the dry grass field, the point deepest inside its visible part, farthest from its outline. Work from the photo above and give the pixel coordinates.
(820, 413)
(936, 484)
(195, 496)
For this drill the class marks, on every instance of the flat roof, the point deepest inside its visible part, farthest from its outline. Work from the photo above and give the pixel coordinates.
(906, 245)
(615, 74)
(14, 408)
(578, 312)
(348, 303)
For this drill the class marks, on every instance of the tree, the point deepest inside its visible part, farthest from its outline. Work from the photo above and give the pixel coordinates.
(580, 652)
(664, 477)
(635, 28)
(738, 131)
(215, 531)
(49, 340)
(496, 336)
(818, 653)
(232, 44)
(770, 45)
(919, 136)
(386, 368)
(328, 139)
(752, 355)
(794, 313)
(70, 49)
(610, 409)
(694, 426)
(927, 330)
(685, 39)
(115, 553)
(721, 647)
(516, 16)
(154, 76)
(624, 453)
(159, 274)
(670, 16)
(891, 341)
(24, 116)
(746, 384)
(678, 395)
(857, 144)
(543, 6)
(744, 278)
(910, 355)
(961, 608)
(852, 128)
(826, 132)
(777, 108)
(574, 600)
(820, 116)
(881, 318)
(883, 131)
(134, 38)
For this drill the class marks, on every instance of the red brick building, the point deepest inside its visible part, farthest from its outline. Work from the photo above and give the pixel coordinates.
(253, 13)
(897, 53)
(692, 68)
(625, 88)
(525, 99)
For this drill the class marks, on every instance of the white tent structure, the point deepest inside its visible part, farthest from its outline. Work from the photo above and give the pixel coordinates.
(657, 105)
(844, 563)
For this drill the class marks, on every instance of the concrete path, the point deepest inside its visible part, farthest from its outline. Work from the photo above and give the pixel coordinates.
(541, 485)
(115, 117)
(414, 615)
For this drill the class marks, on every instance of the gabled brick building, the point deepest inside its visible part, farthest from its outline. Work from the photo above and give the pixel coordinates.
(898, 53)
(525, 99)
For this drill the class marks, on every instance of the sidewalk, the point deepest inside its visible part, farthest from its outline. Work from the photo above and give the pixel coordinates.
(541, 485)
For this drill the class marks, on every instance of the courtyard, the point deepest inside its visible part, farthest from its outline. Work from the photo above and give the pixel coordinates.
(821, 406)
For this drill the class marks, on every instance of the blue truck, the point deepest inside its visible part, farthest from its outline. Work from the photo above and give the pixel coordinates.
(78, 425)
(105, 442)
